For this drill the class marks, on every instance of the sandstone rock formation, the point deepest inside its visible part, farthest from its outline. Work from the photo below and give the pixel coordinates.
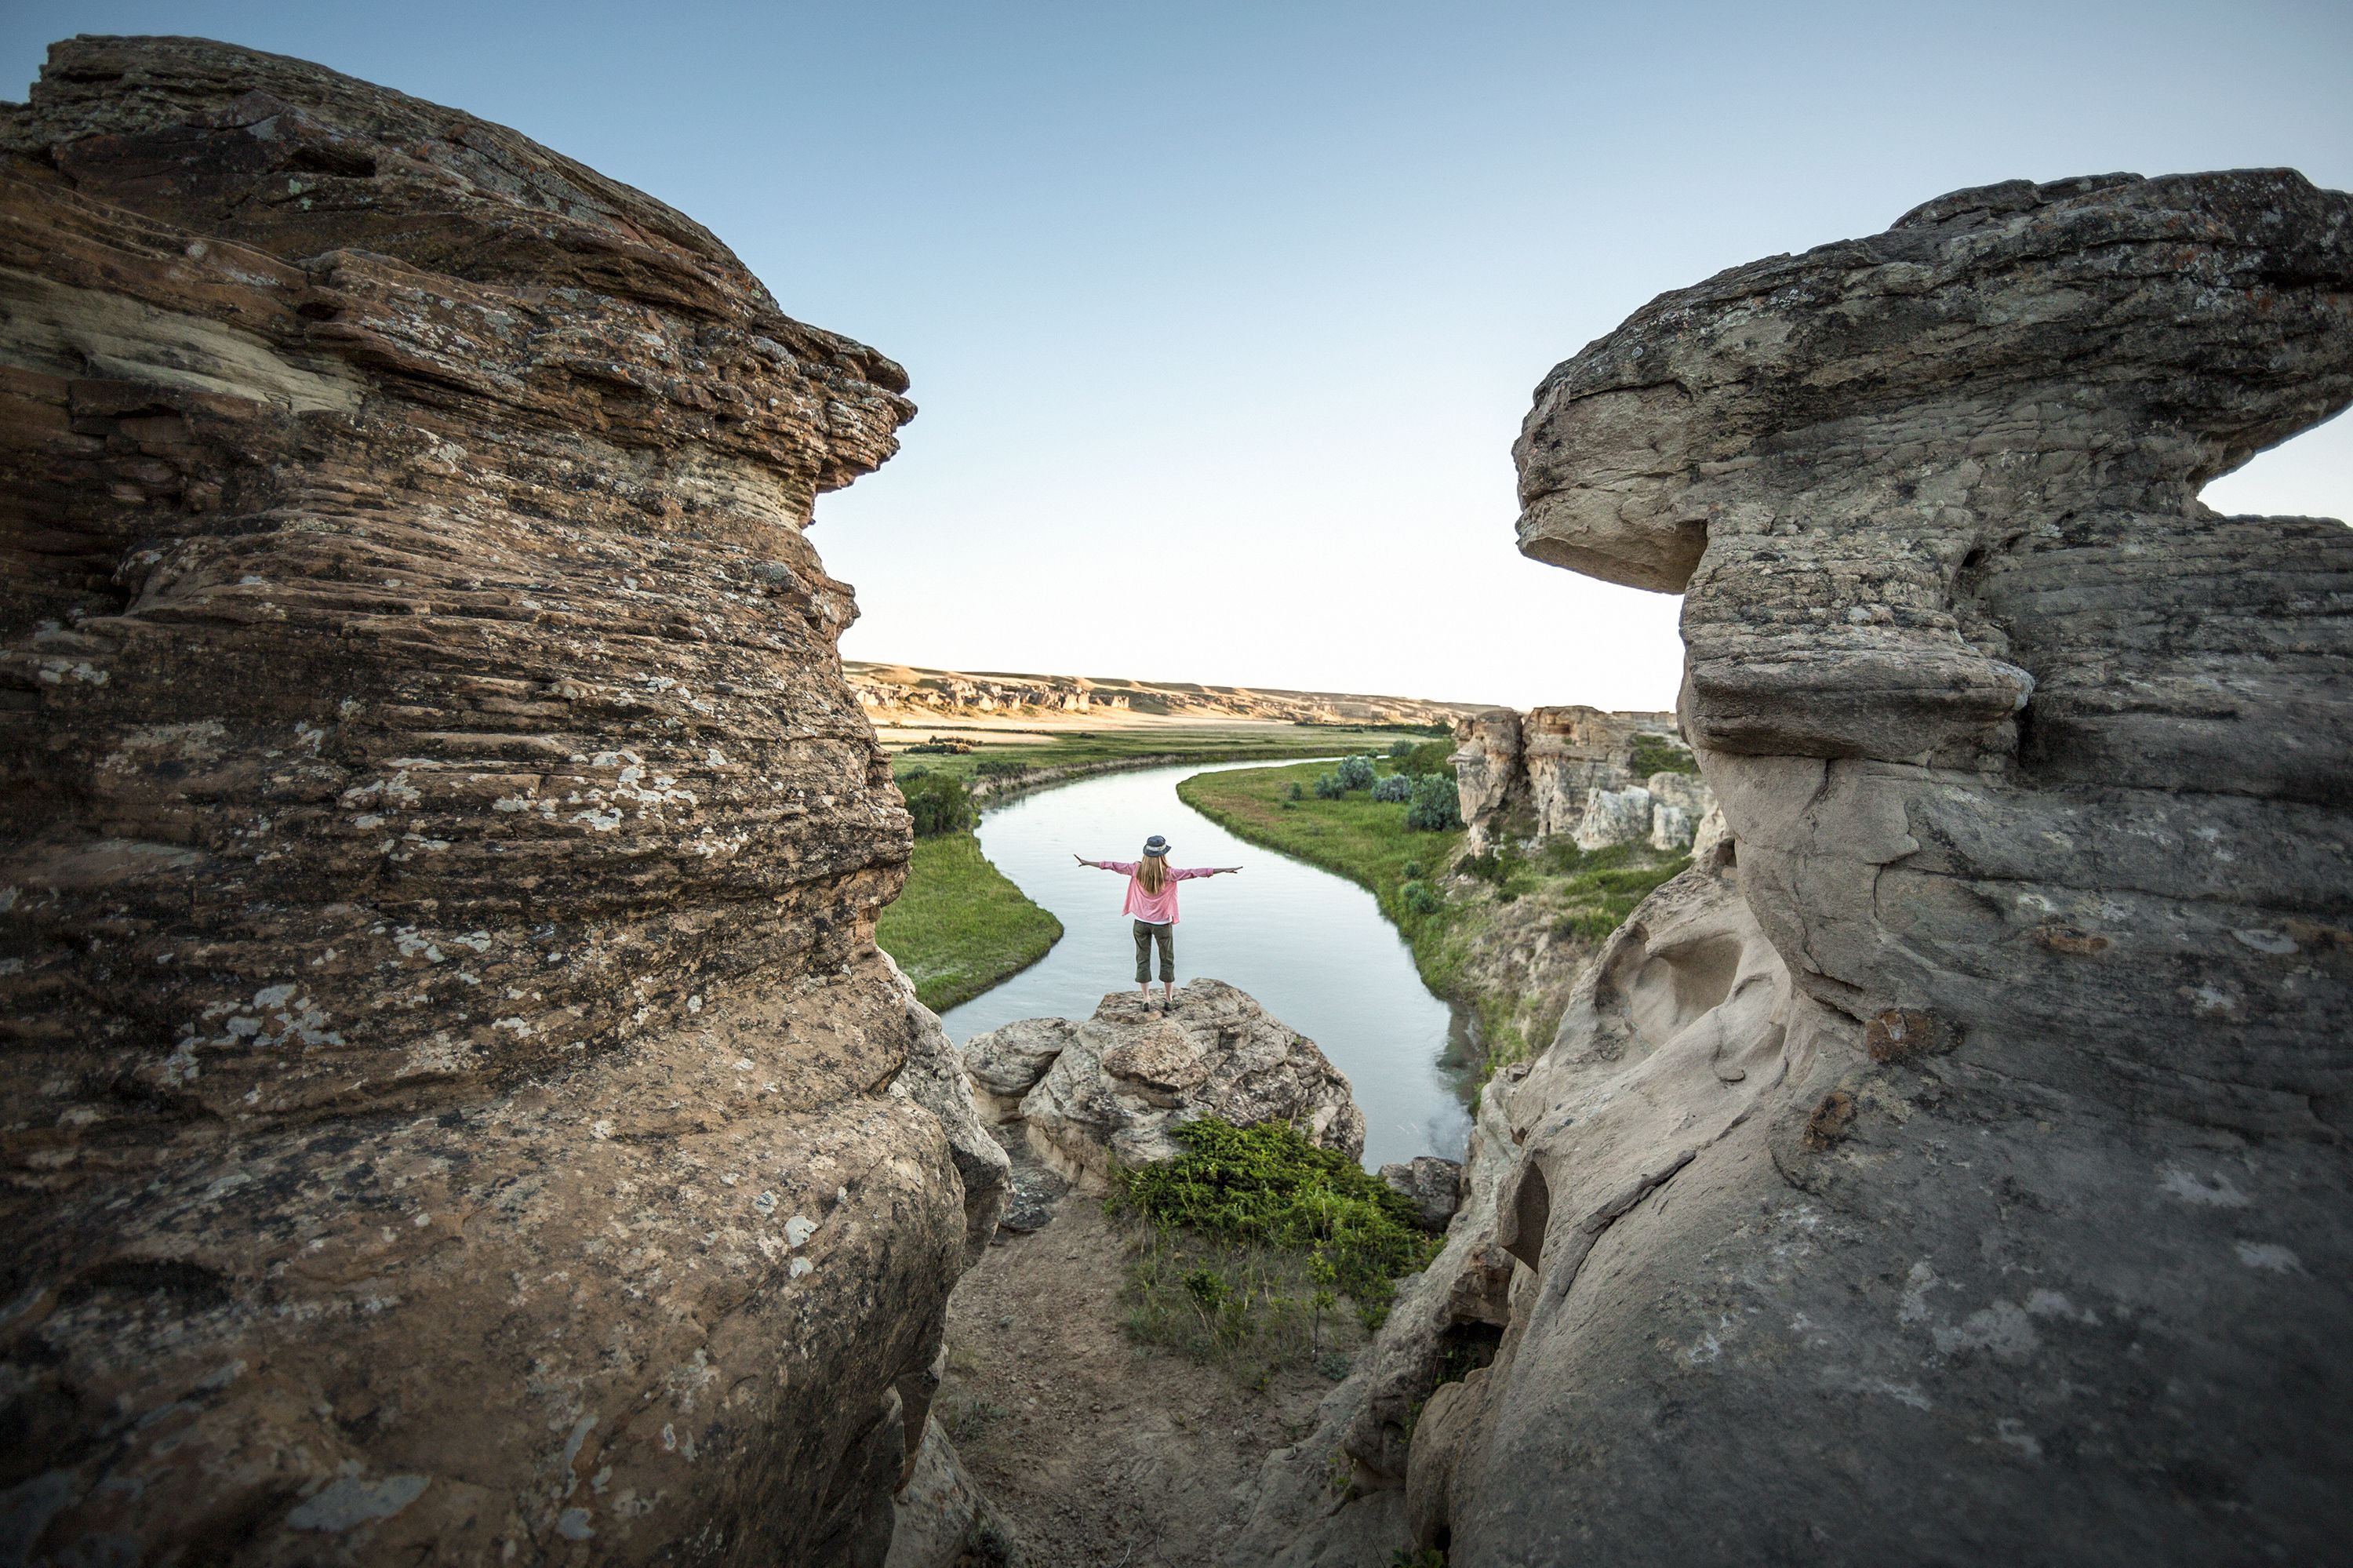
(1432, 1185)
(1975, 1185)
(1570, 772)
(902, 693)
(1110, 1087)
(1684, 995)
(454, 1107)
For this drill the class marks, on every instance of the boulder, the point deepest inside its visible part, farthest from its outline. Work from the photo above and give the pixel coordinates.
(1432, 1185)
(1006, 1062)
(1954, 1164)
(455, 1109)
(1131, 1073)
(941, 1518)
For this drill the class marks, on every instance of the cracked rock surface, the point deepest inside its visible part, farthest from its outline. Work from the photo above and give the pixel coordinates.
(454, 1109)
(1952, 1166)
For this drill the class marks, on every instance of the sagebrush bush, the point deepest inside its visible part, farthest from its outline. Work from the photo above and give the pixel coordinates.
(1355, 773)
(1294, 792)
(1435, 807)
(1394, 788)
(1400, 748)
(1328, 787)
(1421, 898)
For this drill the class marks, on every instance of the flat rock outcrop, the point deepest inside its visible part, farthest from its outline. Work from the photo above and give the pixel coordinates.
(1975, 1185)
(454, 1107)
(1081, 1094)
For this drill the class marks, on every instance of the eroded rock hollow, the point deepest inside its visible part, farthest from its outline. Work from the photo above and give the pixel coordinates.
(1953, 1165)
(454, 1107)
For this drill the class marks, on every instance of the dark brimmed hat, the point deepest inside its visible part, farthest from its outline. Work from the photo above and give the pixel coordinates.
(1156, 846)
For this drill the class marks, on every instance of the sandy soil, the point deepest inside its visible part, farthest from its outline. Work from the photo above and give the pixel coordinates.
(1105, 1452)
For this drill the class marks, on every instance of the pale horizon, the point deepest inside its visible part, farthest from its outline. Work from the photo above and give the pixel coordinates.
(1240, 309)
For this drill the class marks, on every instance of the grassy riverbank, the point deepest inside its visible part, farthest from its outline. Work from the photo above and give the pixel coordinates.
(1505, 935)
(961, 925)
(1002, 756)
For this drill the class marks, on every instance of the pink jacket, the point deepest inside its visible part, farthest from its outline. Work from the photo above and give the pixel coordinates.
(1158, 908)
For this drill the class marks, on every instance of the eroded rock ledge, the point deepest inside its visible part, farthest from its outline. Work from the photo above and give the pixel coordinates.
(454, 1105)
(1953, 1165)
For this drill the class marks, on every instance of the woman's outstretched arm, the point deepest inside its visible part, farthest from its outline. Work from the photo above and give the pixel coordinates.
(1204, 871)
(1125, 867)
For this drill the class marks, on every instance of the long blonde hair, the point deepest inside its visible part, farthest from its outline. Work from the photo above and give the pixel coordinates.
(1151, 873)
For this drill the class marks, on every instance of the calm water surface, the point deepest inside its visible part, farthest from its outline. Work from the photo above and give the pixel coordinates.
(1312, 946)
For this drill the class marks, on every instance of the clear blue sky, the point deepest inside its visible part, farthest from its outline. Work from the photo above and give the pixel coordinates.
(1240, 305)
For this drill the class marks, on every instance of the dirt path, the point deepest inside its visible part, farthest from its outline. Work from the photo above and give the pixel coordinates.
(1098, 1450)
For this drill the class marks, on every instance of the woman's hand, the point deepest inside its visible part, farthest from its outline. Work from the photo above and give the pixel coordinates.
(1230, 870)
(1081, 859)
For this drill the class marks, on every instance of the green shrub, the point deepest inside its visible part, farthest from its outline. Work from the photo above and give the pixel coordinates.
(1421, 898)
(1267, 1185)
(1489, 865)
(939, 802)
(1328, 787)
(1430, 757)
(998, 768)
(1355, 773)
(1294, 792)
(1657, 754)
(1397, 787)
(1400, 748)
(1435, 807)
(1411, 868)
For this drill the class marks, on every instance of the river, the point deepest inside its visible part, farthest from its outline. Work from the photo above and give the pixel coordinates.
(1313, 948)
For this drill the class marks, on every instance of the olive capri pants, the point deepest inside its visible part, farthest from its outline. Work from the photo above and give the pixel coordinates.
(1145, 934)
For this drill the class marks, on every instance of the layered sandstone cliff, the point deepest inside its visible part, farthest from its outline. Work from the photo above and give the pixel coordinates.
(1575, 773)
(1953, 1166)
(905, 695)
(454, 1107)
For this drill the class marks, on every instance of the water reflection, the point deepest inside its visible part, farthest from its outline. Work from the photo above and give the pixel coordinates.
(1312, 946)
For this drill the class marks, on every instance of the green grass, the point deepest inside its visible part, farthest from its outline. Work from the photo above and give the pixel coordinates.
(1571, 893)
(1364, 840)
(1083, 748)
(960, 925)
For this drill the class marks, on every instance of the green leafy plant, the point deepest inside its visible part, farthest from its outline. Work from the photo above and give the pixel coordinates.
(1397, 787)
(1268, 1185)
(1428, 756)
(1355, 773)
(1400, 748)
(1421, 898)
(1488, 865)
(939, 802)
(1294, 792)
(1328, 787)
